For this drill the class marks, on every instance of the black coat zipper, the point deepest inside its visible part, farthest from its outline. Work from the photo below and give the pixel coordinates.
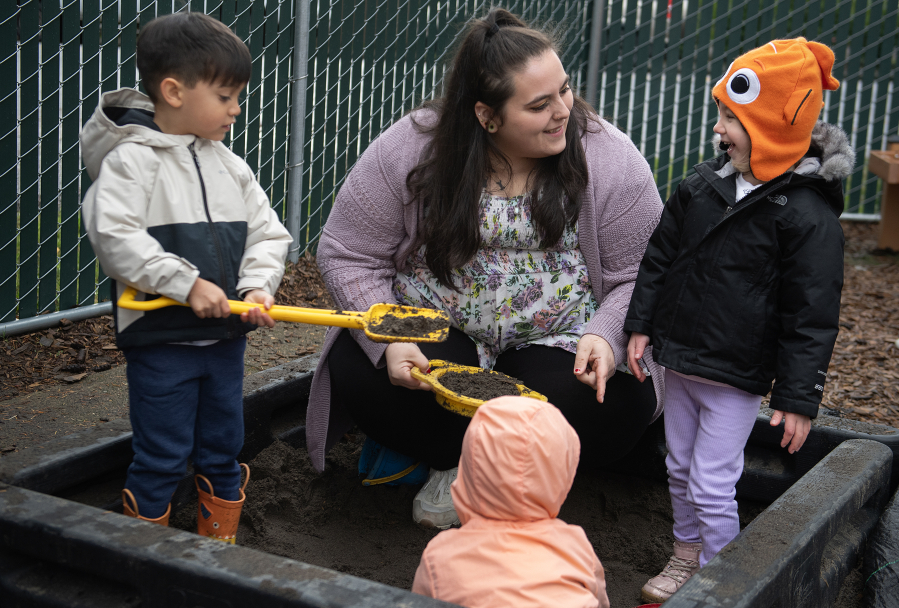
(215, 237)
(731, 211)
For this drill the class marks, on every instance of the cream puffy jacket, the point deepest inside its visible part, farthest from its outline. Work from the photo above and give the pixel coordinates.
(166, 209)
(519, 457)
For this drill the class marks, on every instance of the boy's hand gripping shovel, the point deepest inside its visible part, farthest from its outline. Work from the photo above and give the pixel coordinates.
(381, 322)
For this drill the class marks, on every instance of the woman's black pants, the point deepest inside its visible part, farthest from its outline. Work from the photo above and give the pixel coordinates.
(413, 423)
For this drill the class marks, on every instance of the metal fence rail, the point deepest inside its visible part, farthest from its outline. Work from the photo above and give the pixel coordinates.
(367, 63)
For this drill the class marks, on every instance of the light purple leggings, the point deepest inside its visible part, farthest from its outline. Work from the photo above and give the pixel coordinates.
(706, 429)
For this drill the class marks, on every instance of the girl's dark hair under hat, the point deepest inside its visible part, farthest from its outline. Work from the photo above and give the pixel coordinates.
(191, 47)
(450, 179)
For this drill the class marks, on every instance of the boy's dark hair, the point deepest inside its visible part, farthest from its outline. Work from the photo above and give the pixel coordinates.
(190, 47)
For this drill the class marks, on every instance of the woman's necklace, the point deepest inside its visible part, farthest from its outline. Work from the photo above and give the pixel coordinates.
(511, 188)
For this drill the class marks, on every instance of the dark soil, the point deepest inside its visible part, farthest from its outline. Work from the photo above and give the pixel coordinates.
(395, 325)
(480, 385)
(331, 520)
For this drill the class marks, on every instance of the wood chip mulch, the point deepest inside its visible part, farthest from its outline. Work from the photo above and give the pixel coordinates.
(64, 354)
(863, 379)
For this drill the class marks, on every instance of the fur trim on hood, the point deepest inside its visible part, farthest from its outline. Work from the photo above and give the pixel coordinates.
(837, 156)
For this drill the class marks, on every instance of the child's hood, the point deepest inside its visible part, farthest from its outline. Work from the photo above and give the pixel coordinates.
(125, 115)
(825, 172)
(519, 457)
(837, 158)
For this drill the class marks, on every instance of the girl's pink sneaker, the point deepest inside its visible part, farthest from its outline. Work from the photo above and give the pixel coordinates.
(682, 565)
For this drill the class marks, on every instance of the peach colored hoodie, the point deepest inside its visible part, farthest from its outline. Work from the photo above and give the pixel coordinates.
(518, 462)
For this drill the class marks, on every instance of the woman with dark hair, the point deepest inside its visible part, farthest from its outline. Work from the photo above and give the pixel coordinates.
(510, 204)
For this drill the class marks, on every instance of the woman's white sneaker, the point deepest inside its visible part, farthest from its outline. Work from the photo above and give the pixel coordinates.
(433, 505)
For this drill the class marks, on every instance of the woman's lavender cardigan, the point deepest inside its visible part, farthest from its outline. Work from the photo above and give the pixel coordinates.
(372, 228)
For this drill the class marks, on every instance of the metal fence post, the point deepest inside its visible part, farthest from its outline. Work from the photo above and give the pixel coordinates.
(595, 46)
(297, 128)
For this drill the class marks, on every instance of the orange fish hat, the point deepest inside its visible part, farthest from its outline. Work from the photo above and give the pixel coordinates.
(776, 91)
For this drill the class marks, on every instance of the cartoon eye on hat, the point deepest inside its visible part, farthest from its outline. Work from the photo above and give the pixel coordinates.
(743, 86)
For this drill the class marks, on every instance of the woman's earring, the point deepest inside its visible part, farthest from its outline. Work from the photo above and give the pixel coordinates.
(491, 128)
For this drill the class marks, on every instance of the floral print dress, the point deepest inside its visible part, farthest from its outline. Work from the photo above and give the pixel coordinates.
(514, 293)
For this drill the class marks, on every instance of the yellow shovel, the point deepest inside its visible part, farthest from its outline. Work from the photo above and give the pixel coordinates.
(381, 322)
(453, 401)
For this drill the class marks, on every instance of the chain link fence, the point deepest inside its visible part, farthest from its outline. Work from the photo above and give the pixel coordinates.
(648, 65)
(56, 59)
(368, 62)
(659, 61)
(371, 62)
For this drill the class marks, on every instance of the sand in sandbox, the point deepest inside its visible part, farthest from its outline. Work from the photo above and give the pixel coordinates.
(332, 520)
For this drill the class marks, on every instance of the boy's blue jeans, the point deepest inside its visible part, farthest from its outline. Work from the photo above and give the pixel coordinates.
(185, 402)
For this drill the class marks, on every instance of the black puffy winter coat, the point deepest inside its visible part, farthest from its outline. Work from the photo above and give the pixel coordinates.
(746, 293)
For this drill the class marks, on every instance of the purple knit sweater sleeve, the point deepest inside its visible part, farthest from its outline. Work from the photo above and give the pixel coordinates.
(614, 228)
(367, 234)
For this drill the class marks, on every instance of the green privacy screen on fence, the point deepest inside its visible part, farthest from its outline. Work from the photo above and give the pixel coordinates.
(369, 62)
(660, 61)
(56, 58)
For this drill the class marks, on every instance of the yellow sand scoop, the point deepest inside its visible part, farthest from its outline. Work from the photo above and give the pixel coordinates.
(381, 322)
(453, 401)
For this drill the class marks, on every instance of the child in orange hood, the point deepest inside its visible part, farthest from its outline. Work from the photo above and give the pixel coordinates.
(519, 457)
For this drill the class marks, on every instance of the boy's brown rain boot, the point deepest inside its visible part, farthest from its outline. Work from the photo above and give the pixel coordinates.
(129, 505)
(682, 565)
(217, 518)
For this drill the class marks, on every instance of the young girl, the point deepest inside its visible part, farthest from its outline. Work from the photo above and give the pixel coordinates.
(518, 461)
(740, 287)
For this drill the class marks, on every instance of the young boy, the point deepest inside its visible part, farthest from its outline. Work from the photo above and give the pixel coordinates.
(173, 212)
(519, 457)
(740, 287)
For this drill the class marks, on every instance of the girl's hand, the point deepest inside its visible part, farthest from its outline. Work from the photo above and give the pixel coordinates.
(796, 429)
(401, 357)
(636, 346)
(594, 363)
(257, 316)
(207, 300)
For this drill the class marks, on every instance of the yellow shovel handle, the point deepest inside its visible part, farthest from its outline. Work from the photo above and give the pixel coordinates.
(293, 314)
